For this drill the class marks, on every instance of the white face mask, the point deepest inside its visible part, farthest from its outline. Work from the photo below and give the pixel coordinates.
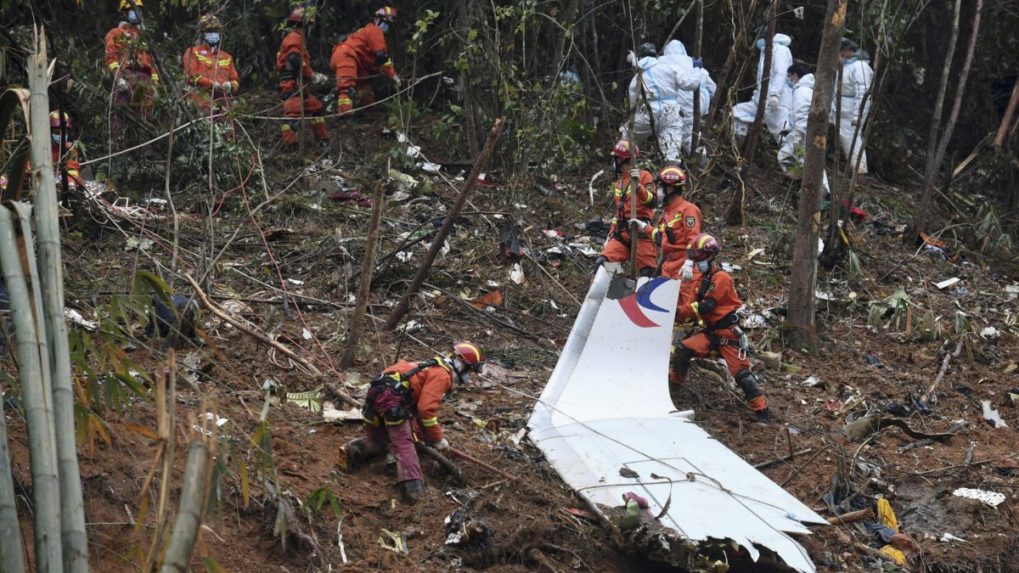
(703, 266)
(211, 38)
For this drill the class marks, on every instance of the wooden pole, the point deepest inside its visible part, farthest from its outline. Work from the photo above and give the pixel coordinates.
(365, 284)
(11, 558)
(426, 265)
(1006, 121)
(189, 517)
(73, 536)
(467, 457)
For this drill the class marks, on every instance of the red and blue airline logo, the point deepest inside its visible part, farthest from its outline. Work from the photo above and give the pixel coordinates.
(633, 305)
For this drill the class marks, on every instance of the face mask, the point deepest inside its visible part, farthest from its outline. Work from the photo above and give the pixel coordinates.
(790, 83)
(55, 137)
(617, 165)
(384, 26)
(760, 43)
(462, 371)
(212, 38)
(132, 17)
(703, 266)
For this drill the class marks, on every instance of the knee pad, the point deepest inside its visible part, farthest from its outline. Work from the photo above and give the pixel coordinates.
(681, 359)
(647, 272)
(747, 382)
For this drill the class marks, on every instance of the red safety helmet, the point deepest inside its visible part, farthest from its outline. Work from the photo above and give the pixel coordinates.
(672, 174)
(55, 120)
(622, 150)
(471, 355)
(703, 247)
(387, 13)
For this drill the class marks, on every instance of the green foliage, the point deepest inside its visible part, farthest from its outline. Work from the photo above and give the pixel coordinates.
(421, 28)
(323, 497)
(262, 442)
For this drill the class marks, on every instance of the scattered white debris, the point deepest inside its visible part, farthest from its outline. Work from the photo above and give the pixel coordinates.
(295, 282)
(404, 256)
(79, 320)
(216, 419)
(991, 498)
(412, 326)
(992, 415)
(947, 537)
(306, 334)
(134, 243)
(517, 274)
(947, 283)
(812, 382)
(990, 333)
(331, 414)
(429, 167)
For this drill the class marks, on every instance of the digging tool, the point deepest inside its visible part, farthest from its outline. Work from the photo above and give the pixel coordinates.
(467, 457)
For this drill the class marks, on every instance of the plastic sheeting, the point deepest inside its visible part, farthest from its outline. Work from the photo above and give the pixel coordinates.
(607, 408)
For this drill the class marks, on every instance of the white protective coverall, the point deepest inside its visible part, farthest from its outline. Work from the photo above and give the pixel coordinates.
(857, 76)
(663, 81)
(791, 152)
(675, 53)
(776, 112)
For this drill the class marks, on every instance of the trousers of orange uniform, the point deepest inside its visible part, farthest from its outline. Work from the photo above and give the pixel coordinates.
(699, 345)
(300, 105)
(349, 78)
(617, 250)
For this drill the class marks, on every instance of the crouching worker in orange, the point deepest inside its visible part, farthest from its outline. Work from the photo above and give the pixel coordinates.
(362, 55)
(210, 71)
(617, 248)
(680, 222)
(64, 150)
(711, 302)
(402, 406)
(294, 66)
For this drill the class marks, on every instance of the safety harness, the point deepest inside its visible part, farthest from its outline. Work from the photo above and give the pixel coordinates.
(730, 320)
(398, 382)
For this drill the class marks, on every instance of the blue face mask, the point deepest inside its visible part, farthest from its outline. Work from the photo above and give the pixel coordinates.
(132, 17)
(703, 266)
(212, 38)
(760, 43)
(790, 83)
(55, 137)
(384, 26)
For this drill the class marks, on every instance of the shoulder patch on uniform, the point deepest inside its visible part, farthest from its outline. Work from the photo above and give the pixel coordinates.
(691, 221)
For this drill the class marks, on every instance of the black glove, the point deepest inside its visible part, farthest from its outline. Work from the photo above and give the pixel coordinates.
(294, 63)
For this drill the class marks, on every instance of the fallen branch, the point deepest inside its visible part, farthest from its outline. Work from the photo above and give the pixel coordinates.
(852, 517)
(487, 315)
(784, 458)
(445, 462)
(249, 330)
(944, 368)
(467, 457)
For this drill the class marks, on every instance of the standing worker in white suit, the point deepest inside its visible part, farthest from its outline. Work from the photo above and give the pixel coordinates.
(675, 54)
(776, 112)
(857, 76)
(663, 82)
(791, 153)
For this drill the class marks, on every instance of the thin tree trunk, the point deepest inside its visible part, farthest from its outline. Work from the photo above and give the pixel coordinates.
(1006, 121)
(734, 216)
(364, 288)
(191, 513)
(11, 558)
(419, 278)
(723, 79)
(470, 118)
(922, 217)
(35, 398)
(803, 280)
(73, 536)
(698, 43)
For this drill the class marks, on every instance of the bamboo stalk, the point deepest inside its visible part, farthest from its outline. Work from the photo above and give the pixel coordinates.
(189, 517)
(11, 558)
(36, 401)
(74, 538)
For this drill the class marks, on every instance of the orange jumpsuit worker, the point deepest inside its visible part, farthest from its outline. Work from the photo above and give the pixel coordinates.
(64, 150)
(134, 73)
(294, 66)
(404, 395)
(679, 224)
(209, 70)
(362, 55)
(617, 248)
(710, 300)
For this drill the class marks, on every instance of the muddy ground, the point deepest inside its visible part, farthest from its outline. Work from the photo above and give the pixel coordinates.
(865, 364)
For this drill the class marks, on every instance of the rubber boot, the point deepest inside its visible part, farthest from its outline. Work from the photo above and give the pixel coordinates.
(318, 127)
(413, 490)
(350, 456)
(289, 135)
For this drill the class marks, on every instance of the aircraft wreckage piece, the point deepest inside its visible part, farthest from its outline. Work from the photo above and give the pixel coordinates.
(608, 426)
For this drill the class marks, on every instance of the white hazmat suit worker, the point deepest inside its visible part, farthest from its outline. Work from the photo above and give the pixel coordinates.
(675, 54)
(663, 81)
(857, 76)
(792, 150)
(776, 112)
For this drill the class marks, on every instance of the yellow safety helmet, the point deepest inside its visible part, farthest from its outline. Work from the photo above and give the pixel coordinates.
(130, 5)
(209, 23)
